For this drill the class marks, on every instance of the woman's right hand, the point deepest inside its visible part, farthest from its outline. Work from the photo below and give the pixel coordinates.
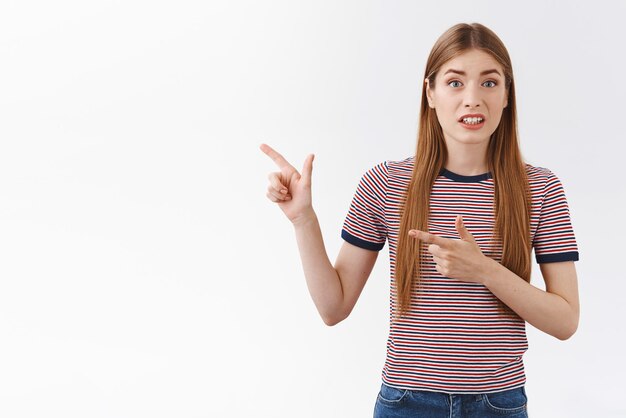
(290, 190)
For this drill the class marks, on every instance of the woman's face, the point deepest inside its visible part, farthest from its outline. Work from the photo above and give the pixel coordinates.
(471, 83)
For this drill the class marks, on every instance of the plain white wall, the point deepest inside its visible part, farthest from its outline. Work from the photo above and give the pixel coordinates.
(143, 272)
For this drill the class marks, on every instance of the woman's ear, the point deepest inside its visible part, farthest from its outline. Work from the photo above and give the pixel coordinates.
(429, 94)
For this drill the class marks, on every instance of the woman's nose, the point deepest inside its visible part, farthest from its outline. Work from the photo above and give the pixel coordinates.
(472, 97)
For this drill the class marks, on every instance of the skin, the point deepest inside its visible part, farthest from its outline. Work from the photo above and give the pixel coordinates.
(336, 288)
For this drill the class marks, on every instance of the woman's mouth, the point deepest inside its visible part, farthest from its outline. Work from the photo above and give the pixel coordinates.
(472, 123)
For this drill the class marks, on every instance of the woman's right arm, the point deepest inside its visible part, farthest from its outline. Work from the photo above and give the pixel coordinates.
(334, 290)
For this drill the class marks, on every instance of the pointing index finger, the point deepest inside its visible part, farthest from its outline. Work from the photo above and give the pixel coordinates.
(429, 238)
(275, 156)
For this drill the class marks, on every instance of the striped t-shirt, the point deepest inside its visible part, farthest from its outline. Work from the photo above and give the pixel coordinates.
(456, 340)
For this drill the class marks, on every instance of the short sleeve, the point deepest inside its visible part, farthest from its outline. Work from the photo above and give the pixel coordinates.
(554, 239)
(365, 224)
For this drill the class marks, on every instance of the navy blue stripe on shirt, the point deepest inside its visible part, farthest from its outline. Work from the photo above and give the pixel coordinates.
(361, 243)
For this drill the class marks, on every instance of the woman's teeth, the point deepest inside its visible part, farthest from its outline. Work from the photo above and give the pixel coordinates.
(472, 121)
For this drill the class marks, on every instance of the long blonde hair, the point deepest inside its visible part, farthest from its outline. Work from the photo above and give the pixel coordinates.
(512, 202)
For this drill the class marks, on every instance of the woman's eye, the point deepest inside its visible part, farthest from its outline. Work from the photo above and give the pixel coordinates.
(450, 83)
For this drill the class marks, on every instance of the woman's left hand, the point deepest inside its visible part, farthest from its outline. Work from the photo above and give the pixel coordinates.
(458, 259)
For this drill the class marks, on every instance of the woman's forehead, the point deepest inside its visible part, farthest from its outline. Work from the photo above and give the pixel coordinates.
(472, 62)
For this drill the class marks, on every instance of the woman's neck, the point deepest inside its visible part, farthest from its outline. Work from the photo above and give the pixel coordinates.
(467, 159)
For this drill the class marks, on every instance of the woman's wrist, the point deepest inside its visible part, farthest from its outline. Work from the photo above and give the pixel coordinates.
(304, 219)
(489, 270)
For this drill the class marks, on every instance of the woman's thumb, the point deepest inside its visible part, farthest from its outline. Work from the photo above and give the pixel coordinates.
(307, 169)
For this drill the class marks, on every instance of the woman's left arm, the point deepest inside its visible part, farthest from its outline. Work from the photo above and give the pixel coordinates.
(554, 311)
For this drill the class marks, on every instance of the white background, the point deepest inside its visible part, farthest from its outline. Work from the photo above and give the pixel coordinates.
(143, 272)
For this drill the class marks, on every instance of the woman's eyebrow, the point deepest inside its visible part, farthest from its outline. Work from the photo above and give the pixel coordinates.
(482, 73)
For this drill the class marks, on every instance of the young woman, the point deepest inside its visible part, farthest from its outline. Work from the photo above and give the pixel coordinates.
(461, 218)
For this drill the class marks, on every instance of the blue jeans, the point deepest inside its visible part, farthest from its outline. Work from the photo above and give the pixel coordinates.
(400, 403)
